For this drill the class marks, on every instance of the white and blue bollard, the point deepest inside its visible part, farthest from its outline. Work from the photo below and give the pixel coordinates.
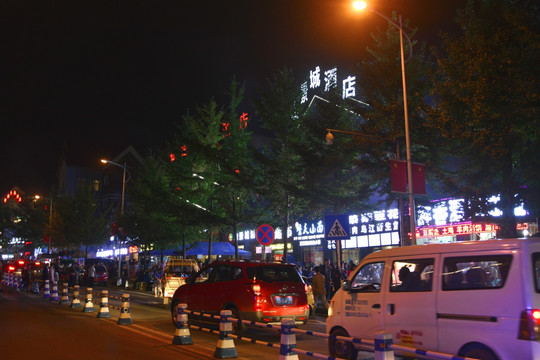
(383, 342)
(225, 347)
(288, 341)
(88, 304)
(182, 336)
(54, 291)
(125, 316)
(46, 290)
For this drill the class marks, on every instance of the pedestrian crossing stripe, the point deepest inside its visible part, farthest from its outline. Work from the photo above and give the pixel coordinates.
(337, 230)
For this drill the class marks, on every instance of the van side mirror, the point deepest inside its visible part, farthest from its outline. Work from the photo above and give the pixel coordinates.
(346, 285)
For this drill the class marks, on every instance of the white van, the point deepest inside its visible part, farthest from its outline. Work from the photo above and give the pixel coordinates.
(479, 299)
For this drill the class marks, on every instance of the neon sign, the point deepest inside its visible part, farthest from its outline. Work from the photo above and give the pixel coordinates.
(456, 229)
(330, 78)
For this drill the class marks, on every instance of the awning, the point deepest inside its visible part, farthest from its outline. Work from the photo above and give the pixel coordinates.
(218, 248)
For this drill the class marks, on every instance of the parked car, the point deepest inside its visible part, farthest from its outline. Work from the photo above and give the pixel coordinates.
(255, 291)
(478, 299)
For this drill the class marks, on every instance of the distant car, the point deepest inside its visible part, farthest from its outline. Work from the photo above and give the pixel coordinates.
(15, 266)
(255, 291)
(101, 277)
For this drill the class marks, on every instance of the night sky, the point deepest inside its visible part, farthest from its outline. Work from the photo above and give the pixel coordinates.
(102, 75)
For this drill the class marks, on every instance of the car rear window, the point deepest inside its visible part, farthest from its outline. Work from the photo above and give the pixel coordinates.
(273, 273)
(476, 272)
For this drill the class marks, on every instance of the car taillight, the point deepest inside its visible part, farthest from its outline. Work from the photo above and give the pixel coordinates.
(256, 288)
(20, 262)
(529, 325)
(37, 263)
(11, 268)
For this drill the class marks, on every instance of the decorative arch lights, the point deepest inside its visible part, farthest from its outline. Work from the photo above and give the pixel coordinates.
(13, 194)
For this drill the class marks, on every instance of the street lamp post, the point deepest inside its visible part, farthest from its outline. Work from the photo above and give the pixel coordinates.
(330, 141)
(361, 5)
(119, 281)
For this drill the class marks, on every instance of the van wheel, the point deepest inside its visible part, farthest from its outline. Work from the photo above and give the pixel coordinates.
(480, 352)
(341, 348)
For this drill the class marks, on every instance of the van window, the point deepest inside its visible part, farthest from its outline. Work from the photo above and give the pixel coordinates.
(475, 272)
(412, 275)
(368, 278)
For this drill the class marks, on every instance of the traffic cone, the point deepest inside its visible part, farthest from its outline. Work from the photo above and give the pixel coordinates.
(182, 335)
(64, 299)
(54, 292)
(125, 316)
(288, 341)
(225, 347)
(46, 290)
(88, 305)
(104, 307)
(75, 302)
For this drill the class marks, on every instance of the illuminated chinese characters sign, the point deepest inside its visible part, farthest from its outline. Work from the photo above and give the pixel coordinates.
(376, 228)
(456, 229)
(326, 80)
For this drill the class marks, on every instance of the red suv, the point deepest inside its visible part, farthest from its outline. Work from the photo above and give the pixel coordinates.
(255, 291)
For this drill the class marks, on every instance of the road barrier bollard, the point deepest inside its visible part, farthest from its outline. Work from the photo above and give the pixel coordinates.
(288, 341)
(75, 302)
(125, 316)
(54, 292)
(88, 305)
(225, 347)
(5, 278)
(46, 290)
(64, 299)
(182, 336)
(104, 306)
(19, 282)
(35, 287)
(383, 341)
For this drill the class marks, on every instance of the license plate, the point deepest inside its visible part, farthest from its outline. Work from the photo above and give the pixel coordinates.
(283, 300)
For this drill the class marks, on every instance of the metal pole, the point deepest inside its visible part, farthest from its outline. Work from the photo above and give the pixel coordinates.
(119, 282)
(407, 140)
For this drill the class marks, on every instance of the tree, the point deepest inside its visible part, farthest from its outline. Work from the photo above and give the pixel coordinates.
(78, 221)
(150, 220)
(212, 175)
(487, 106)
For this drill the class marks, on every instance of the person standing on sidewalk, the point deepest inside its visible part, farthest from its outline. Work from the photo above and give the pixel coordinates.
(318, 282)
(91, 275)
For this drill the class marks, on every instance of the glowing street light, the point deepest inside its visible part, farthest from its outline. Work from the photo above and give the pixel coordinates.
(362, 5)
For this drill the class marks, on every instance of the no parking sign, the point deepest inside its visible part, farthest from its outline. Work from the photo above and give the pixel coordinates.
(265, 234)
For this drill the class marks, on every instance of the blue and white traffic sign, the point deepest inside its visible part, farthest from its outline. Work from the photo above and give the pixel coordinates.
(265, 234)
(336, 227)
